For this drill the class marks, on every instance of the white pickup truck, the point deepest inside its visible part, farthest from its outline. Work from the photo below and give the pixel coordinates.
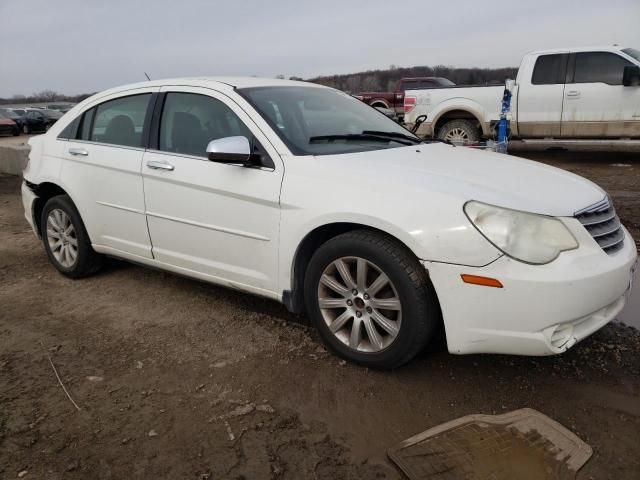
(573, 93)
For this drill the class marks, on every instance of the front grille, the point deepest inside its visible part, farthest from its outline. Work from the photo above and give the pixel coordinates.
(603, 224)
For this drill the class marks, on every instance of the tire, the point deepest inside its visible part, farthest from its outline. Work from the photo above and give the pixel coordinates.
(25, 129)
(413, 314)
(459, 132)
(58, 214)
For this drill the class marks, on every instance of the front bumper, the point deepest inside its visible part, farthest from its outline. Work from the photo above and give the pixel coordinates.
(542, 309)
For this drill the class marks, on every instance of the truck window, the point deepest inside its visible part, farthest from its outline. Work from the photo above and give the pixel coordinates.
(602, 67)
(409, 85)
(550, 69)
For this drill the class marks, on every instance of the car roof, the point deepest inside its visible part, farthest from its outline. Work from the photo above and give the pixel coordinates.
(601, 48)
(220, 83)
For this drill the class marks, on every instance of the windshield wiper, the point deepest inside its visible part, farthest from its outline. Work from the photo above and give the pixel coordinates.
(364, 136)
(394, 135)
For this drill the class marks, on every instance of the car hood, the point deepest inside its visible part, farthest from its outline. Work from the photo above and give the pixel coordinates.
(6, 121)
(471, 174)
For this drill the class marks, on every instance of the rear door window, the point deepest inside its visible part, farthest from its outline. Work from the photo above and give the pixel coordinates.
(550, 69)
(120, 121)
(599, 67)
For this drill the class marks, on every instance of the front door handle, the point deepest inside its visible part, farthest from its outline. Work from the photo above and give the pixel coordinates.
(158, 165)
(78, 152)
(573, 93)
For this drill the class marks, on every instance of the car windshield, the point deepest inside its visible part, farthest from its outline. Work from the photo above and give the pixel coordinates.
(323, 121)
(51, 113)
(632, 52)
(9, 114)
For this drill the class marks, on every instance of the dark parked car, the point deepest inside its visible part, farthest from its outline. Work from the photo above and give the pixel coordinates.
(39, 120)
(8, 126)
(16, 117)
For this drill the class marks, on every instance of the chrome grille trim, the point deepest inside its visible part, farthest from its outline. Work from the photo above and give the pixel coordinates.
(602, 223)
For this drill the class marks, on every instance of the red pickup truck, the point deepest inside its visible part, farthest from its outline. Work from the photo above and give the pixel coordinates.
(395, 100)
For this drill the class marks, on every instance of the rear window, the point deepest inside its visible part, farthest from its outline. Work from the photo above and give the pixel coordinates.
(550, 69)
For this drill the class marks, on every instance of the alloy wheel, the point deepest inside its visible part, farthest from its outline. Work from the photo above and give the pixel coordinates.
(62, 239)
(359, 304)
(457, 135)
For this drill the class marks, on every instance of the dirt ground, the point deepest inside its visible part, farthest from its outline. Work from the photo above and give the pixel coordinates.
(182, 380)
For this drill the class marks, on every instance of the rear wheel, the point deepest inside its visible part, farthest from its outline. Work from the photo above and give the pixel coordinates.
(459, 132)
(370, 299)
(65, 239)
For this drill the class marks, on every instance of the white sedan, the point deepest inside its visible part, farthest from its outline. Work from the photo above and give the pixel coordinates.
(303, 194)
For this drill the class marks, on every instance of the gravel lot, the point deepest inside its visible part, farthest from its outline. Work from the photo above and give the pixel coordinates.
(183, 380)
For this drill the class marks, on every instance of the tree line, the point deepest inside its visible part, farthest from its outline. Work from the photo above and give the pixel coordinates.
(369, 81)
(385, 80)
(45, 96)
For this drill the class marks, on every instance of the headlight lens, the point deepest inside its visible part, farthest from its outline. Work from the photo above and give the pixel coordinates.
(527, 237)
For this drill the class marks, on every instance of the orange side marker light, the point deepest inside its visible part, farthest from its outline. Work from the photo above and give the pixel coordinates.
(484, 281)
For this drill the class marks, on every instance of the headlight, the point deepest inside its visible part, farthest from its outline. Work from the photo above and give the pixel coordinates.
(527, 237)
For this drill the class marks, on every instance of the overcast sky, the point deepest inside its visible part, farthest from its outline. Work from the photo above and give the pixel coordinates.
(76, 46)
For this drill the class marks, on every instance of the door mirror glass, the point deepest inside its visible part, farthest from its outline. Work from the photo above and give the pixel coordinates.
(631, 76)
(230, 150)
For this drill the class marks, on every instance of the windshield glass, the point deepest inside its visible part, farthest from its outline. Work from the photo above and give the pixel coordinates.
(9, 114)
(632, 52)
(51, 113)
(323, 121)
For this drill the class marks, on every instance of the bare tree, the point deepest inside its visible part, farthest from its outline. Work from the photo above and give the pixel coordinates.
(47, 95)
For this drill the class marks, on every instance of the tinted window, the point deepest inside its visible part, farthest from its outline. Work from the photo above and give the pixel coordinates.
(70, 130)
(84, 132)
(120, 121)
(190, 121)
(550, 69)
(409, 84)
(426, 84)
(601, 67)
(632, 52)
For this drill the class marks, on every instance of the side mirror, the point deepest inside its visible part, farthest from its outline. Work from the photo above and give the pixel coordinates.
(230, 150)
(631, 76)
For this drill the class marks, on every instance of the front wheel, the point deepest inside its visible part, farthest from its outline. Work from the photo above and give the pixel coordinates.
(25, 129)
(370, 299)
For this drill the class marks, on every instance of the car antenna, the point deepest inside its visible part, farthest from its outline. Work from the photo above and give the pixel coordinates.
(145, 74)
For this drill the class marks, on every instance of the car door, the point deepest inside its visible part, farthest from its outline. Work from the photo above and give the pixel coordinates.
(596, 104)
(216, 221)
(539, 100)
(101, 171)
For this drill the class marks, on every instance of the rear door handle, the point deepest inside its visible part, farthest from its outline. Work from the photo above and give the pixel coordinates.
(573, 93)
(157, 165)
(78, 152)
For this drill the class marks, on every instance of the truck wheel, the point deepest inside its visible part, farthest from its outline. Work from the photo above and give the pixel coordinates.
(459, 132)
(370, 299)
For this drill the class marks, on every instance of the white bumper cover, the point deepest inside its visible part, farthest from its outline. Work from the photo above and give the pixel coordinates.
(542, 309)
